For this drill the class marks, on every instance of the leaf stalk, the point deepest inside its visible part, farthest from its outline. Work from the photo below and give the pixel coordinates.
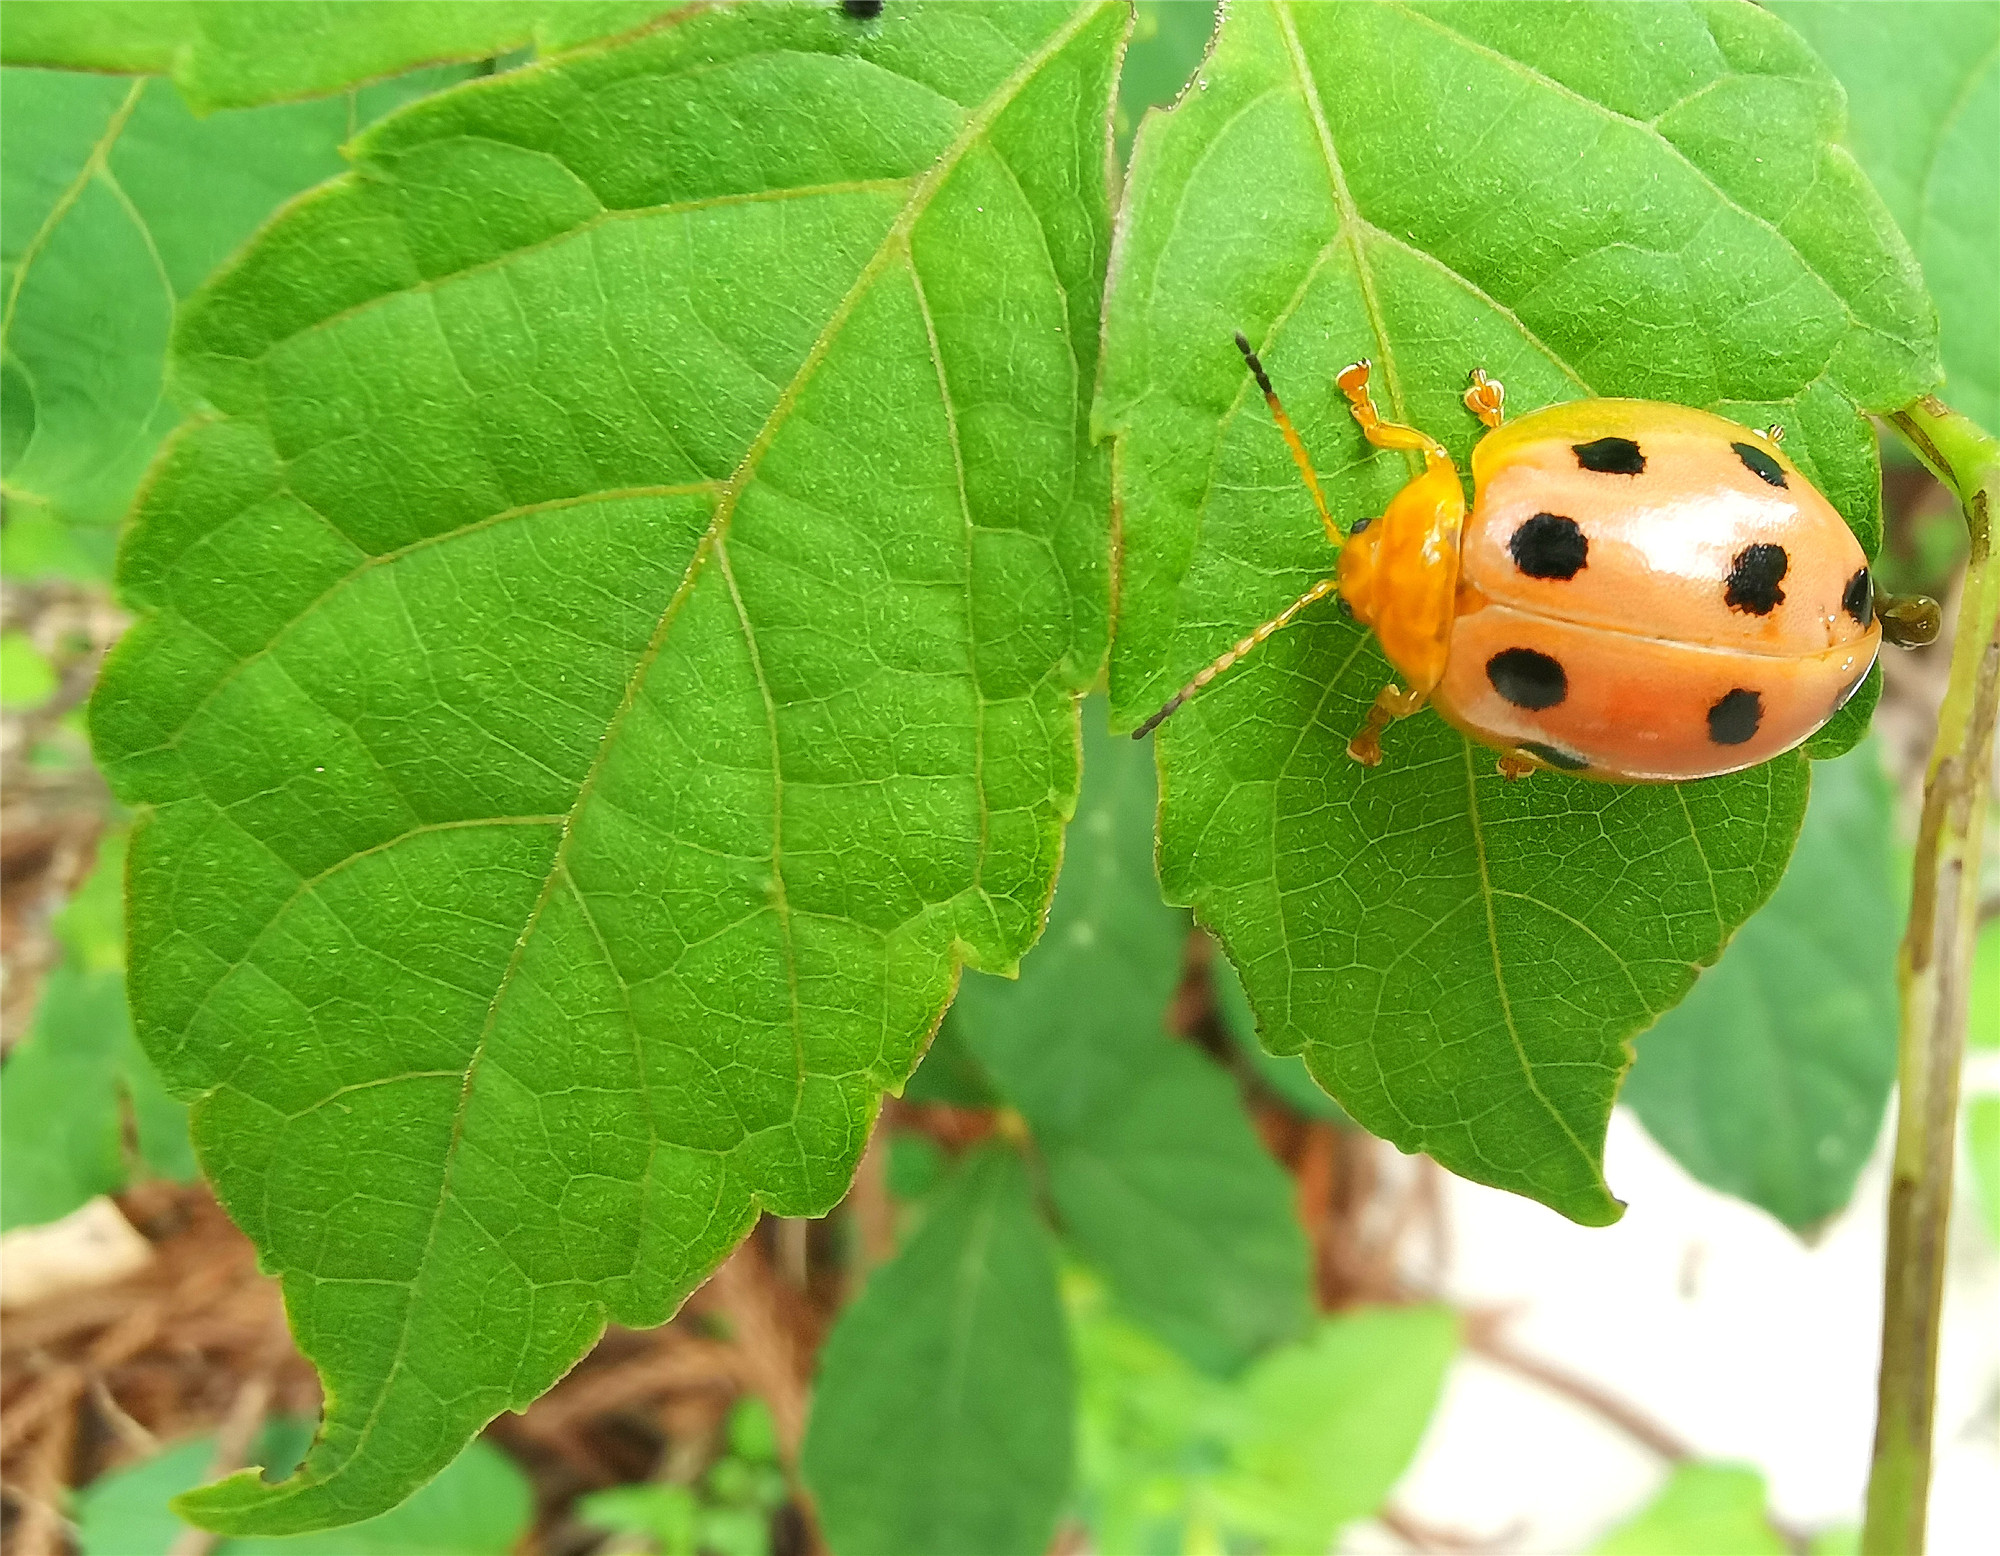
(1934, 970)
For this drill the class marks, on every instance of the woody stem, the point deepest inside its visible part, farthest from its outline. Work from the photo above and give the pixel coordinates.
(1933, 968)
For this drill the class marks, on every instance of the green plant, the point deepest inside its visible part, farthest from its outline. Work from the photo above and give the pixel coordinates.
(611, 629)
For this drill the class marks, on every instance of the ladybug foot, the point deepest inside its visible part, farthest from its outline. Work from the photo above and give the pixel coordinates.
(1513, 766)
(1487, 398)
(1391, 702)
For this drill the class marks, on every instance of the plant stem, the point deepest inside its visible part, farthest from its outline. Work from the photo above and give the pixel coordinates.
(1936, 957)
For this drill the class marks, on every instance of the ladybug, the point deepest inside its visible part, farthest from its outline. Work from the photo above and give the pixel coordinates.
(1641, 592)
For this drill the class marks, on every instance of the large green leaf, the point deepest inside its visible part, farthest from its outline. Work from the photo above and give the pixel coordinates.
(1923, 118)
(608, 662)
(479, 1506)
(116, 203)
(1614, 199)
(238, 53)
(1286, 1074)
(1769, 1081)
(1159, 1180)
(941, 1421)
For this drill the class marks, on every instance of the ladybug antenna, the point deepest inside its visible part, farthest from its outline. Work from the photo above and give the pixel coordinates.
(1292, 440)
(1318, 591)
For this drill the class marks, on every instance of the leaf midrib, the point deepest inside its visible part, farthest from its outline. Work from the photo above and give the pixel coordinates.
(894, 243)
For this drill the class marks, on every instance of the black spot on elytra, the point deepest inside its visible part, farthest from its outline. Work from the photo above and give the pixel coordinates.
(1735, 717)
(1360, 524)
(1611, 456)
(1858, 598)
(1759, 463)
(1754, 578)
(1555, 756)
(1549, 546)
(862, 10)
(1527, 679)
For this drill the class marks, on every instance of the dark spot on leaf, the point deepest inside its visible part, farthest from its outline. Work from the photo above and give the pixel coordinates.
(862, 10)
(1527, 679)
(1549, 546)
(1611, 456)
(1753, 579)
(1858, 598)
(1735, 717)
(1759, 463)
(1555, 756)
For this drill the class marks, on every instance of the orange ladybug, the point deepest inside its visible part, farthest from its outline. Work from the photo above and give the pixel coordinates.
(1642, 592)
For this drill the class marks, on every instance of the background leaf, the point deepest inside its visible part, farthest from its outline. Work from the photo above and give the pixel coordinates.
(1769, 1081)
(1331, 1424)
(1614, 199)
(1314, 1436)
(1156, 1174)
(609, 661)
(67, 1085)
(480, 1505)
(61, 1129)
(239, 53)
(1928, 133)
(1703, 1507)
(116, 204)
(942, 1416)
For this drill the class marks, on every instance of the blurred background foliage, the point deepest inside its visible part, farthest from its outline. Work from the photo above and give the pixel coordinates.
(1112, 1275)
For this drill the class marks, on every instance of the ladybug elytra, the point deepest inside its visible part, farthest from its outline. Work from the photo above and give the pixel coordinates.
(1640, 592)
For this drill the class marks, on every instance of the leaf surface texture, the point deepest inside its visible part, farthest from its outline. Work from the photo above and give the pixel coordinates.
(607, 662)
(1638, 200)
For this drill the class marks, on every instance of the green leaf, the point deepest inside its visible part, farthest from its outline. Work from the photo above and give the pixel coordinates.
(607, 664)
(66, 1087)
(1716, 1509)
(117, 204)
(1311, 1438)
(942, 1416)
(1286, 1074)
(950, 1074)
(479, 1506)
(1611, 199)
(1770, 1080)
(27, 679)
(666, 1515)
(1331, 1424)
(1158, 1178)
(1169, 38)
(1923, 119)
(61, 1132)
(239, 53)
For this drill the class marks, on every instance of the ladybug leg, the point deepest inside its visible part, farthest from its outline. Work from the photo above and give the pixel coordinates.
(1391, 703)
(1513, 764)
(1292, 439)
(1353, 381)
(1486, 398)
(1318, 591)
